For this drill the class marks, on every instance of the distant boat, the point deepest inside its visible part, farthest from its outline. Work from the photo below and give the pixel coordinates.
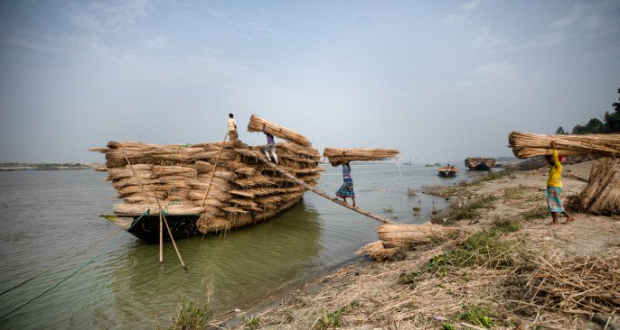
(432, 165)
(479, 163)
(408, 162)
(447, 171)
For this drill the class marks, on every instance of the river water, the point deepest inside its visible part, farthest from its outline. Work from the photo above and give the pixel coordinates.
(50, 218)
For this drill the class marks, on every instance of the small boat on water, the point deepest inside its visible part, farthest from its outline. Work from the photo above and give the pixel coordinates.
(447, 171)
(480, 163)
(432, 165)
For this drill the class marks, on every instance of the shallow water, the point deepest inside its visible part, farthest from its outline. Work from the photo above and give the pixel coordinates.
(50, 216)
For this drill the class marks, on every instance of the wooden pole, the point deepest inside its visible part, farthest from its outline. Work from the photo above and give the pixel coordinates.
(161, 217)
(322, 193)
(214, 168)
(161, 240)
(173, 242)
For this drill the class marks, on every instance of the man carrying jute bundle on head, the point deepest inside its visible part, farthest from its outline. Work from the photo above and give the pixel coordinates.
(232, 128)
(270, 148)
(554, 187)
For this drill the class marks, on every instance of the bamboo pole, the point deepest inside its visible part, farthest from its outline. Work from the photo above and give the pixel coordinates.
(173, 242)
(322, 193)
(161, 239)
(214, 168)
(161, 217)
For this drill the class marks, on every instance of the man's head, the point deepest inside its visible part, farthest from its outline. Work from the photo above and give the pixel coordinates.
(230, 115)
(549, 159)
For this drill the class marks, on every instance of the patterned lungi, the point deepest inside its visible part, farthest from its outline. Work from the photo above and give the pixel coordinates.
(553, 199)
(346, 190)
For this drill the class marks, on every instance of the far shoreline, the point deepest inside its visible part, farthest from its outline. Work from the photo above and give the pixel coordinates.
(46, 166)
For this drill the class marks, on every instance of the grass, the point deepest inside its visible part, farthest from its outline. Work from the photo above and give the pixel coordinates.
(484, 248)
(470, 211)
(190, 315)
(540, 212)
(332, 319)
(475, 314)
(251, 323)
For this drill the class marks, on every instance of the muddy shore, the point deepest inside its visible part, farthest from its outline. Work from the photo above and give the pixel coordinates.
(427, 289)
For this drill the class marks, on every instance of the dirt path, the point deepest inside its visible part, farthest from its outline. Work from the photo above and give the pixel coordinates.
(429, 290)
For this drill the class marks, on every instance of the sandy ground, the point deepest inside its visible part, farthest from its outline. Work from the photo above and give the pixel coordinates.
(371, 295)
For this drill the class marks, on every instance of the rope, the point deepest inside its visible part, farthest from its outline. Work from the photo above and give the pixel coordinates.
(75, 272)
(58, 264)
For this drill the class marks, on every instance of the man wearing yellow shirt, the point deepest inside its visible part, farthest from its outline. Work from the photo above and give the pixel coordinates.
(554, 187)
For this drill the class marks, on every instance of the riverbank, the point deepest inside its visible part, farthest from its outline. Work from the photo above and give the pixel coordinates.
(46, 166)
(481, 279)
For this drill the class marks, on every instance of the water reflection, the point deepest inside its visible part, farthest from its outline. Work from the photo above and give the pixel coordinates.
(239, 267)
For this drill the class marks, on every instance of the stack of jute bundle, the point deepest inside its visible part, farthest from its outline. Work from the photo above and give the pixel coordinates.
(526, 145)
(480, 163)
(602, 193)
(224, 183)
(256, 125)
(338, 156)
(395, 237)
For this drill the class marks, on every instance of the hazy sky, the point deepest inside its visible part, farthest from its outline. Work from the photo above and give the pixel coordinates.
(438, 80)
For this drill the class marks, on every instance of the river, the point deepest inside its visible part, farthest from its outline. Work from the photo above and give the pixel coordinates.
(50, 218)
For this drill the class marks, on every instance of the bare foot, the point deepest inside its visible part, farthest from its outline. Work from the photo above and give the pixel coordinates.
(552, 223)
(353, 204)
(569, 220)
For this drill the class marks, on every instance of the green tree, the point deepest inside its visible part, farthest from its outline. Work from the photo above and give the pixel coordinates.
(561, 131)
(612, 120)
(594, 126)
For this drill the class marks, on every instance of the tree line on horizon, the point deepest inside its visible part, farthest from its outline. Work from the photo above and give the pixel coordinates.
(609, 124)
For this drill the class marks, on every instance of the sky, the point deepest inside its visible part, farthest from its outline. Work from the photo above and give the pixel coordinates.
(438, 80)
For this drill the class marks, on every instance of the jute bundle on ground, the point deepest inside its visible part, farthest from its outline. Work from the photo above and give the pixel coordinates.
(526, 145)
(339, 155)
(256, 125)
(397, 237)
(575, 285)
(602, 193)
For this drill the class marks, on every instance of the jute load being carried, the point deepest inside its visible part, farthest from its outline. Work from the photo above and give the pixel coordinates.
(206, 187)
(602, 193)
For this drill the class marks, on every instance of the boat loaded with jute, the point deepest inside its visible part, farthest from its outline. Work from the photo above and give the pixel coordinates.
(206, 188)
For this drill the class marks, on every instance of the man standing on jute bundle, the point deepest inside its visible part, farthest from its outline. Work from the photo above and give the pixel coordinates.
(270, 148)
(554, 187)
(232, 128)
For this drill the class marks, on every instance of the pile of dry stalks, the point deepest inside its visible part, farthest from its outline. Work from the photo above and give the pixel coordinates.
(602, 193)
(526, 145)
(256, 125)
(340, 155)
(583, 286)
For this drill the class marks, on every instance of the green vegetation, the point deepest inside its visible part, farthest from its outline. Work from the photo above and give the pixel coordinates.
(610, 123)
(447, 326)
(470, 211)
(332, 319)
(190, 315)
(475, 315)
(483, 248)
(251, 322)
(540, 212)
(42, 166)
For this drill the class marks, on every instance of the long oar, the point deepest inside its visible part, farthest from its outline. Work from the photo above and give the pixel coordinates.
(173, 242)
(214, 168)
(161, 217)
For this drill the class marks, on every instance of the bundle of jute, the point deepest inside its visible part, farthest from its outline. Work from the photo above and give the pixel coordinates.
(338, 156)
(412, 234)
(602, 193)
(480, 163)
(381, 251)
(575, 285)
(256, 125)
(526, 145)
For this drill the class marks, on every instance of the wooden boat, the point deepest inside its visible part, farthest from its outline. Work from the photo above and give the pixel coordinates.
(479, 163)
(447, 171)
(204, 188)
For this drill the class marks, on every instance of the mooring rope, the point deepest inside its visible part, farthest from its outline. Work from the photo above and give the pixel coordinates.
(75, 272)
